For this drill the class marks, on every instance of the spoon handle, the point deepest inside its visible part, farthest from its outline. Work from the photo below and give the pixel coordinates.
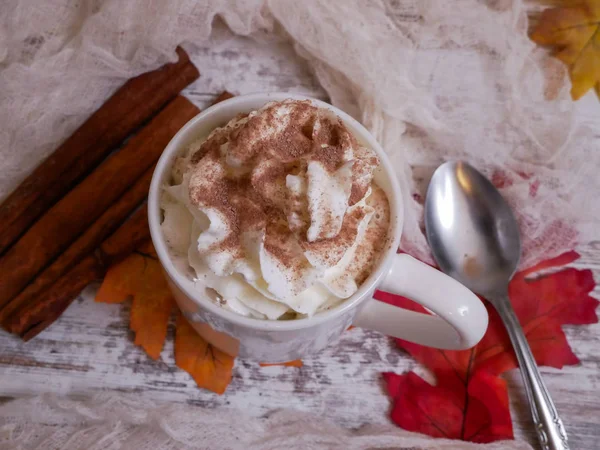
(548, 425)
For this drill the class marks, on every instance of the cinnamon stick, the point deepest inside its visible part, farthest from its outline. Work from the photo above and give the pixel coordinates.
(31, 319)
(75, 212)
(84, 245)
(129, 107)
(39, 306)
(225, 95)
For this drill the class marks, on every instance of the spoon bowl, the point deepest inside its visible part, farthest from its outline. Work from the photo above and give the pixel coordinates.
(471, 229)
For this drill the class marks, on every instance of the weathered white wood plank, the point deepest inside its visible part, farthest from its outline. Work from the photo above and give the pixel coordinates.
(244, 66)
(90, 348)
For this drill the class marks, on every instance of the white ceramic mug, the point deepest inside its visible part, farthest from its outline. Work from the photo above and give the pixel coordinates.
(460, 318)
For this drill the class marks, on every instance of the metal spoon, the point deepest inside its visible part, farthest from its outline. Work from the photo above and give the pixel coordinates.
(474, 238)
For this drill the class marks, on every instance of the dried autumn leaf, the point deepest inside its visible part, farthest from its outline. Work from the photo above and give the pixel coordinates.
(209, 367)
(573, 29)
(294, 363)
(543, 302)
(479, 414)
(140, 276)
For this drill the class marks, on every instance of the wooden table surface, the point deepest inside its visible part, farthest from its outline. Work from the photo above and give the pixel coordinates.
(90, 347)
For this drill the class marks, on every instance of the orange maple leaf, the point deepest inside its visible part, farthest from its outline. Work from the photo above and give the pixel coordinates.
(294, 363)
(573, 29)
(210, 367)
(140, 276)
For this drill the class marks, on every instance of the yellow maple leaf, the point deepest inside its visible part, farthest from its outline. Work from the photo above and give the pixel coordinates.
(210, 367)
(140, 276)
(573, 29)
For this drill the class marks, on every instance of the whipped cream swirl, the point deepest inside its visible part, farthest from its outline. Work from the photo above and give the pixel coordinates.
(276, 212)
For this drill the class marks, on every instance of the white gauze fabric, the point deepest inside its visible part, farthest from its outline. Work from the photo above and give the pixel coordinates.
(432, 80)
(125, 421)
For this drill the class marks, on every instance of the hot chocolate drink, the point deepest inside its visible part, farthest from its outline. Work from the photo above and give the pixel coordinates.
(276, 215)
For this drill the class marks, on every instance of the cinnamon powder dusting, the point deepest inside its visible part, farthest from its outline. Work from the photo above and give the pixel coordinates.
(376, 237)
(240, 172)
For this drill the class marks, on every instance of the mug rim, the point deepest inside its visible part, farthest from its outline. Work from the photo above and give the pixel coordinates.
(154, 213)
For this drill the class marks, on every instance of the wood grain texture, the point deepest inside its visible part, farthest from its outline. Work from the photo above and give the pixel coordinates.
(90, 347)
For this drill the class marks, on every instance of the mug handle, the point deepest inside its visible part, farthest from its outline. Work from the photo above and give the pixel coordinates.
(461, 318)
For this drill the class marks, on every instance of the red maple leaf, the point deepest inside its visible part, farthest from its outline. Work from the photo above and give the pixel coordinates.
(469, 400)
(478, 414)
